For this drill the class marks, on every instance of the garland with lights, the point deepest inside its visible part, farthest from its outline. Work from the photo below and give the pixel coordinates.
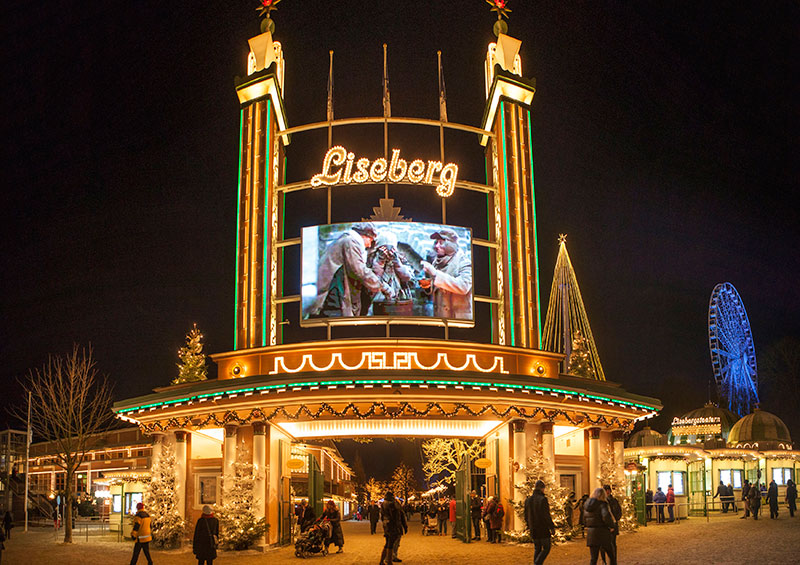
(380, 409)
(161, 501)
(238, 526)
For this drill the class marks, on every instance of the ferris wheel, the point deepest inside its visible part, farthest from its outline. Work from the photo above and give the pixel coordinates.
(733, 356)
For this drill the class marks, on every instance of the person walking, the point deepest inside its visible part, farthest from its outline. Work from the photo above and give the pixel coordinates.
(791, 497)
(374, 515)
(722, 493)
(142, 534)
(616, 511)
(206, 534)
(754, 499)
(539, 522)
(453, 517)
(772, 499)
(648, 505)
(394, 526)
(732, 498)
(600, 525)
(659, 498)
(475, 514)
(581, 521)
(746, 499)
(496, 521)
(331, 513)
(442, 514)
(671, 502)
(8, 523)
(307, 516)
(485, 517)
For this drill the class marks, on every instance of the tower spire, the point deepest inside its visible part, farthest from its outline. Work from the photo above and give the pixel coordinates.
(566, 327)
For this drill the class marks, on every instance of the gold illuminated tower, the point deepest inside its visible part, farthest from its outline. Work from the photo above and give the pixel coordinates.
(509, 159)
(261, 144)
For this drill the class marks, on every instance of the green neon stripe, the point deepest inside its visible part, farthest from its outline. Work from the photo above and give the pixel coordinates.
(238, 212)
(365, 382)
(510, 290)
(535, 237)
(264, 236)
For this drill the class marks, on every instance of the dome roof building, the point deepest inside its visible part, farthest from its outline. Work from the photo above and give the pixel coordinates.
(760, 430)
(709, 425)
(646, 437)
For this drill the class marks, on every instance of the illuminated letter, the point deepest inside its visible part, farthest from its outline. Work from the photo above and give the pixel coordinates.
(433, 168)
(397, 163)
(378, 170)
(447, 180)
(334, 156)
(361, 174)
(416, 171)
(348, 168)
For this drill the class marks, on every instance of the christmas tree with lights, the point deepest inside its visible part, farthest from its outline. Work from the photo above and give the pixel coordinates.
(580, 359)
(192, 367)
(238, 526)
(161, 501)
(539, 468)
(613, 476)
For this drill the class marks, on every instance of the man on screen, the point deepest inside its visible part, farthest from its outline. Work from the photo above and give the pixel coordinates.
(451, 277)
(343, 272)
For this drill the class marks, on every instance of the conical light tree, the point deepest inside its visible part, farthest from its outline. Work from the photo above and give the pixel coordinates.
(580, 360)
(238, 526)
(538, 468)
(566, 317)
(161, 501)
(192, 367)
(613, 476)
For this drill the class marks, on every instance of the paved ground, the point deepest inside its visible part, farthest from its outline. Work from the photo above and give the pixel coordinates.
(723, 540)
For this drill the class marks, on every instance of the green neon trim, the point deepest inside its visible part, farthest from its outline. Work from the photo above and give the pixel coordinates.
(506, 385)
(411, 382)
(468, 383)
(372, 382)
(264, 238)
(442, 382)
(535, 234)
(510, 291)
(238, 212)
(328, 383)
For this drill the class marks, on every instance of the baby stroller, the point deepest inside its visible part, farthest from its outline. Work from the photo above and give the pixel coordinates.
(313, 539)
(430, 525)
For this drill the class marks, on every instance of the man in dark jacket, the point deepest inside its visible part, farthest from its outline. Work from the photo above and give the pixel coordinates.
(745, 500)
(374, 515)
(722, 493)
(475, 514)
(599, 525)
(791, 496)
(616, 512)
(394, 526)
(754, 500)
(772, 499)
(307, 516)
(539, 522)
(442, 514)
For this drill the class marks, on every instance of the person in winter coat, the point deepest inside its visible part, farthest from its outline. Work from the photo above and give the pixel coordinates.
(791, 496)
(394, 526)
(331, 513)
(539, 522)
(659, 498)
(754, 499)
(671, 502)
(569, 508)
(453, 517)
(648, 504)
(142, 534)
(581, 522)
(374, 515)
(722, 493)
(746, 499)
(475, 514)
(206, 534)
(616, 511)
(307, 516)
(772, 499)
(496, 520)
(442, 513)
(2, 545)
(8, 523)
(599, 527)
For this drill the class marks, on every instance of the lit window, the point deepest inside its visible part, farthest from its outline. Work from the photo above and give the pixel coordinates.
(781, 475)
(674, 478)
(206, 489)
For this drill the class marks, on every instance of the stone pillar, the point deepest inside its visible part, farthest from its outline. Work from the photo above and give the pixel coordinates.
(229, 453)
(158, 444)
(260, 468)
(619, 451)
(181, 469)
(519, 468)
(548, 445)
(594, 459)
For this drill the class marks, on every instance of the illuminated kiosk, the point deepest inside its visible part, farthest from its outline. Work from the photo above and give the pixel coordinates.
(473, 369)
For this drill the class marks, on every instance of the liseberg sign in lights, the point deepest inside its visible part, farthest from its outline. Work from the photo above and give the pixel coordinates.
(368, 272)
(341, 167)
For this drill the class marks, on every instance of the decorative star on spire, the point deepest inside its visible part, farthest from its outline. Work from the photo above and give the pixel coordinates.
(562, 238)
(266, 7)
(499, 6)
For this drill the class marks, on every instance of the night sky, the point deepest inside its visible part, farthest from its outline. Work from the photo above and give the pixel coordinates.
(665, 147)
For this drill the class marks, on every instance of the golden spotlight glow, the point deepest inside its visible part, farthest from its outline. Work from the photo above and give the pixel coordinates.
(397, 427)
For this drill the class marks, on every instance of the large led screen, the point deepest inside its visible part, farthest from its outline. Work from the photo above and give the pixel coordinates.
(380, 270)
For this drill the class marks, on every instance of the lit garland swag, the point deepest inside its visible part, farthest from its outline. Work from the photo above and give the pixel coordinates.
(238, 526)
(161, 501)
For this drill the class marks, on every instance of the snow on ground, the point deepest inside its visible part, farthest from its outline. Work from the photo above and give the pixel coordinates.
(722, 540)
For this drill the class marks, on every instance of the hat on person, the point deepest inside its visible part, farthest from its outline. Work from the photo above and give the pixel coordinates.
(445, 234)
(207, 509)
(366, 228)
(140, 506)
